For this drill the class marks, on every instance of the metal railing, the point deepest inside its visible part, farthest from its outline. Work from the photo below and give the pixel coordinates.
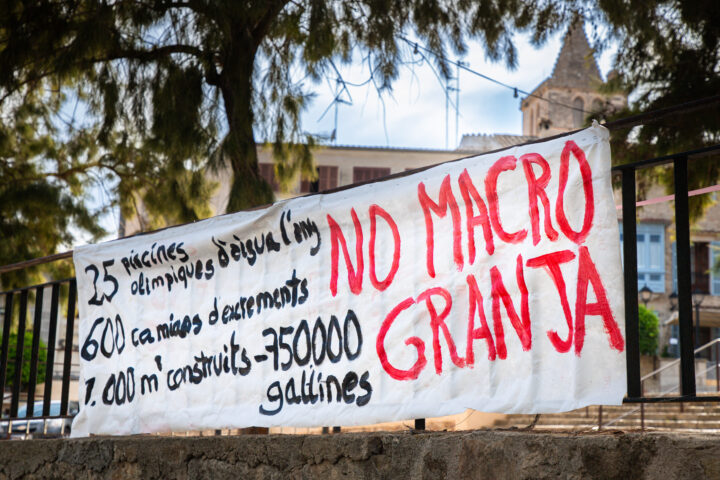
(16, 313)
(679, 161)
(675, 362)
(15, 318)
(664, 393)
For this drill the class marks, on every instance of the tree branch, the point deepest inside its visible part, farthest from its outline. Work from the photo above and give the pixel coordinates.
(148, 55)
(262, 26)
(119, 54)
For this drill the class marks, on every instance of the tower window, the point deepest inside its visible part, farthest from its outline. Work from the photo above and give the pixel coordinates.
(578, 114)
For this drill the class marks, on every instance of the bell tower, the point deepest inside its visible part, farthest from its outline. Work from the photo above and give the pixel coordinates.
(572, 90)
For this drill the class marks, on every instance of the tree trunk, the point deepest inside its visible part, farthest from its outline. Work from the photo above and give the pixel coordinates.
(248, 188)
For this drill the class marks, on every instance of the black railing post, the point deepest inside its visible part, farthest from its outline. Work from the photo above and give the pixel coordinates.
(50, 361)
(632, 338)
(67, 361)
(419, 424)
(5, 340)
(682, 236)
(22, 317)
(35, 352)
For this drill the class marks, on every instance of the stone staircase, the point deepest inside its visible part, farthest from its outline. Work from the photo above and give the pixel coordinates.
(703, 417)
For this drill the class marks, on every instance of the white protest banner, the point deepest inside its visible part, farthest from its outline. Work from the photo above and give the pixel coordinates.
(491, 283)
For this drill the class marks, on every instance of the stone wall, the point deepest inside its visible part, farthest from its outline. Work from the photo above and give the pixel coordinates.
(456, 455)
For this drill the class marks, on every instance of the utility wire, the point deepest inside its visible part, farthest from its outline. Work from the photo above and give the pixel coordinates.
(465, 66)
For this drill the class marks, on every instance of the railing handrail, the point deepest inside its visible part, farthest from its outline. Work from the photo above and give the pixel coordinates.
(665, 159)
(663, 393)
(676, 361)
(663, 368)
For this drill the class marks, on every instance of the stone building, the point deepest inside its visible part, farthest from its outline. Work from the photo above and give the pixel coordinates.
(562, 102)
(572, 88)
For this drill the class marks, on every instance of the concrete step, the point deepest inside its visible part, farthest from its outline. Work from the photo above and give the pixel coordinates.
(649, 408)
(648, 415)
(670, 416)
(593, 427)
(660, 407)
(557, 421)
(668, 423)
(625, 422)
(590, 428)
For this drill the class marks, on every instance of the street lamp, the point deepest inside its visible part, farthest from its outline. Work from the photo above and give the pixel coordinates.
(645, 294)
(698, 296)
(673, 301)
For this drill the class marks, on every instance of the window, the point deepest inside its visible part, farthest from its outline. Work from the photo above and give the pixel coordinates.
(578, 114)
(715, 268)
(674, 267)
(267, 171)
(327, 180)
(651, 256)
(704, 267)
(364, 174)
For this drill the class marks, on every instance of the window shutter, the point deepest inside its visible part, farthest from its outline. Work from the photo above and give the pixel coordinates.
(327, 180)
(365, 174)
(674, 267)
(650, 255)
(328, 177)
(715, 268)
(643, 252)
(267, 171)
(656, 252)
(654, 260)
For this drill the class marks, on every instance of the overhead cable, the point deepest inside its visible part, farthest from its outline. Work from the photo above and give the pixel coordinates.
(465, 66)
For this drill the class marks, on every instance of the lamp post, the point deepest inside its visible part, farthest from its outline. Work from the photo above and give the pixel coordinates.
(698, 296)
(645, 295)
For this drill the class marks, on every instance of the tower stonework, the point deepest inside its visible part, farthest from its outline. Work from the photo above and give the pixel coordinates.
(572, 89)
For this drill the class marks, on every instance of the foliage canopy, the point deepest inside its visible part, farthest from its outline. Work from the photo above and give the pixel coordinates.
(144, 96)
(668, 55)
(168, 88)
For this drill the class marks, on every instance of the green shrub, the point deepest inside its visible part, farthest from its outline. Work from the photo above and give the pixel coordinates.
(27, 354)
(649, 331)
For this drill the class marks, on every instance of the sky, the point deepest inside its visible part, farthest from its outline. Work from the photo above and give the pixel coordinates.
(414, 116)
(414, 113)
